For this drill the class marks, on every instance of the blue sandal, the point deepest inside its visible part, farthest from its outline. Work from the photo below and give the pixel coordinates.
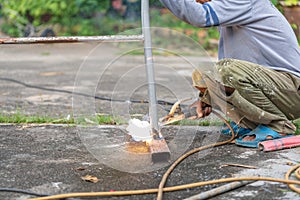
(238, 131)
(261, 133)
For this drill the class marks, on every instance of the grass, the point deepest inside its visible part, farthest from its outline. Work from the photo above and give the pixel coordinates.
(201, 122)
(107, 119)
(157, 52)
(297, 124)
(19, 118)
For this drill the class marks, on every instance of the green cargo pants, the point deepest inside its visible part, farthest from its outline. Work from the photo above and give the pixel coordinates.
(260, 95)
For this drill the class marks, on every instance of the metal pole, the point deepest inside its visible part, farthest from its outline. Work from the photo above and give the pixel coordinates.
(149, 66)
(66, 39)
(219, 190)
(146, 37)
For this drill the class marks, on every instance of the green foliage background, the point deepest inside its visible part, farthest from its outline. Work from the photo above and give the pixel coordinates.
(84, 17)
(88, 17)
(73, 17)
(68, 17)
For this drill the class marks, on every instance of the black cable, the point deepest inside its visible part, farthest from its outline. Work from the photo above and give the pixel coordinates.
(161, 102)
(22, 191)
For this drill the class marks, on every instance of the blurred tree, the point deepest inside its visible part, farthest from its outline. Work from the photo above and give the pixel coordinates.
(116, 9)
(76, 17)
(130, 10)
(133, 10)
(69, 15)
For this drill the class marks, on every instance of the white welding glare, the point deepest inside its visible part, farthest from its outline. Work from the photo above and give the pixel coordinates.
(139, 130)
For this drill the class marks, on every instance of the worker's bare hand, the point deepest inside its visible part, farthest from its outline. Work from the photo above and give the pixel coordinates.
(202, 108)
(202, 1)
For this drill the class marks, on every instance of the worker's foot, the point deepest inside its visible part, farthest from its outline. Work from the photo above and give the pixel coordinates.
(238, 131)
(259, 134)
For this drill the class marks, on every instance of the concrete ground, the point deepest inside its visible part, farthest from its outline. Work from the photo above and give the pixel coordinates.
(62, 80)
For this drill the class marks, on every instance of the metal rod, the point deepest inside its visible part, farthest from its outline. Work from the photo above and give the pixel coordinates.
(219, 190)
(146, 37)
(67, 39)
(149, 66)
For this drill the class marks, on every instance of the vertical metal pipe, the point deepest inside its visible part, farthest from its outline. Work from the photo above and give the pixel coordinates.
(149, 66)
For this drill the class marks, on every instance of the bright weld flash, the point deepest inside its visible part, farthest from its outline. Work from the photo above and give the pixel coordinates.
(139, 130)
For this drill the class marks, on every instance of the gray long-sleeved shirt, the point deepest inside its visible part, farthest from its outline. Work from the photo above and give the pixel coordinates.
(250, 30)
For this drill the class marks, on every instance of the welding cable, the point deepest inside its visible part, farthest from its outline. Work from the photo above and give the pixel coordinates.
(180, 159)
(14, 190)
(161, 102)
(161, 189)
(168, 189)
(296, 171)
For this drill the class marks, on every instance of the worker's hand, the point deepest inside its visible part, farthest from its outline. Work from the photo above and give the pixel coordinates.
(202, 1)
(202, 108)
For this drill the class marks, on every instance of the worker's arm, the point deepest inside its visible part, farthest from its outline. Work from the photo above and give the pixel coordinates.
(211, 13)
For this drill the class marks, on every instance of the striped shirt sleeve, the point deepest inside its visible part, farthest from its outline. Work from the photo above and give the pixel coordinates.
(213, 13)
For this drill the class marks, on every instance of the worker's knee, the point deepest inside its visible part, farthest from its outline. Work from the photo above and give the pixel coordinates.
(226, 68)
(227, 73)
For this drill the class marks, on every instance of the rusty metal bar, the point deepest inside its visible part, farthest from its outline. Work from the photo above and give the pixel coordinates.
(69, 39)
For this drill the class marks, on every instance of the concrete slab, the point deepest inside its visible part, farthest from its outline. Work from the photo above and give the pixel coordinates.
(52, 160)
(59, 80)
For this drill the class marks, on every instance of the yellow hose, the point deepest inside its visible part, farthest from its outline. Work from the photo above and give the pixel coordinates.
(180, 159)
(291, 183)
(167, 189)
(295, 169)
